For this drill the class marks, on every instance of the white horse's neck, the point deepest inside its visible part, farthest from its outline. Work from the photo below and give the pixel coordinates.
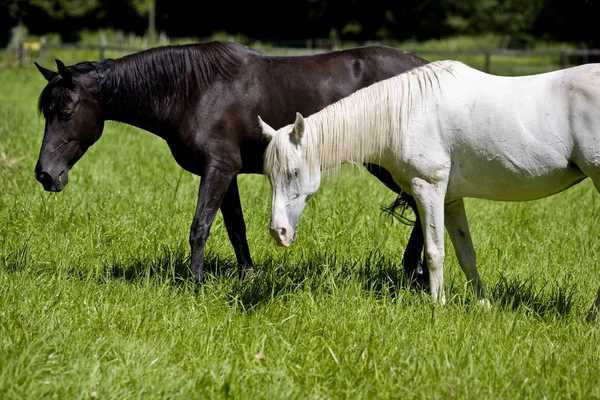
(363, 126)
(344, 131)
(335, 141)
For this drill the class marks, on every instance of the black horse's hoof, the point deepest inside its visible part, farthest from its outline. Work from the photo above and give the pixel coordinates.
(418, 276)
(245, 272)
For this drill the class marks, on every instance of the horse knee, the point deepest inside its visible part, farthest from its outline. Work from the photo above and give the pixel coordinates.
(198, 233)
(435, 259)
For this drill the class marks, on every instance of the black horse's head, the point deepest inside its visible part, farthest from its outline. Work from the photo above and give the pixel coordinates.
(71, 106)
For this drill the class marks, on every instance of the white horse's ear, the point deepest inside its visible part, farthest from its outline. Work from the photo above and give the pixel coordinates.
(298, 129)
(267, 131)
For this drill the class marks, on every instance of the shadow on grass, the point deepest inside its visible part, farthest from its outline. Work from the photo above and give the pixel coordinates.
(17, 259)
(323, 273)
(378, 275)
(169, 265)
(316, 273)
(540, 298)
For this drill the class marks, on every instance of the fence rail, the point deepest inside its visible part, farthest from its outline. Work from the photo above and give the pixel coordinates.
(566, 57)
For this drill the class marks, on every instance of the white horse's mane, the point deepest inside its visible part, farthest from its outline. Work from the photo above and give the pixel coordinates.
(363, 124)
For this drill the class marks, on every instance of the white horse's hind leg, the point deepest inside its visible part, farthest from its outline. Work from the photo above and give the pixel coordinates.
(430, 201)
(458, 230)
(593, 313)
(595, 309)
(593, 171)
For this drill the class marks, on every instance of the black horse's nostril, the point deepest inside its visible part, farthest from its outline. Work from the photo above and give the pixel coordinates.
(44, 178)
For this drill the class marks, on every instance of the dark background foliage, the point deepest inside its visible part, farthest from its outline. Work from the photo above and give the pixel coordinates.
(520, 21)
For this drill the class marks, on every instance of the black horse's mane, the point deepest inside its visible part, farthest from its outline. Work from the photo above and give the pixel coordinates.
(156, 75)
(174, 67)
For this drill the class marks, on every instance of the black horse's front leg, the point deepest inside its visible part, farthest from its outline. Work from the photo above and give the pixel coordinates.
(214, 184)
(231, 208)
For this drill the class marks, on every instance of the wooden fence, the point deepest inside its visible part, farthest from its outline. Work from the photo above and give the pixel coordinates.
(564, 57)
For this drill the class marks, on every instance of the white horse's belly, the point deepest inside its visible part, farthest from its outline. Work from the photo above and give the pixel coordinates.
(518, 151)
(494, 182)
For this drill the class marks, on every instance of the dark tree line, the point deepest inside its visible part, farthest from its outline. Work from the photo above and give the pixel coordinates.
(519, 20)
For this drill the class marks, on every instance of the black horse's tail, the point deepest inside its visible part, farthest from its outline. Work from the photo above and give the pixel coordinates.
(398, 208)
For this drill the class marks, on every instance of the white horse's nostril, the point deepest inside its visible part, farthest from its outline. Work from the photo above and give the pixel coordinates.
(274, 233)
(280, 235)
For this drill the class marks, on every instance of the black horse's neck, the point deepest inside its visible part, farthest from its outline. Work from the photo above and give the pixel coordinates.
(152, 89)
(125, 98)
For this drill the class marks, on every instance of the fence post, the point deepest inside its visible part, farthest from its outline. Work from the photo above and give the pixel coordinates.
(102, 46)
(42, 48)
(488, 61)
(21, 53)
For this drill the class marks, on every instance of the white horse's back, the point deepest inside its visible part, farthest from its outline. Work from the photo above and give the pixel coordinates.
(508, 138)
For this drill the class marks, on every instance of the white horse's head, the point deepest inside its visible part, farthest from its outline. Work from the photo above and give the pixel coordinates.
(294, 179)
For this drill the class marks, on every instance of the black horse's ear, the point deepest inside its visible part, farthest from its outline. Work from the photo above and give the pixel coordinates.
(64, 72)
(49, 75)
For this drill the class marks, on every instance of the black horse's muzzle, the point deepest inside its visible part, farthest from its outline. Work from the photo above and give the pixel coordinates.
(50, 183)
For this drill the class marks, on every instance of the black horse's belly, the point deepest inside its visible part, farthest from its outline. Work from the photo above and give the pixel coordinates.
(189, 158)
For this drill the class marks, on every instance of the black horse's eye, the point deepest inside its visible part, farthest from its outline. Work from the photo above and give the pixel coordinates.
(65, 114)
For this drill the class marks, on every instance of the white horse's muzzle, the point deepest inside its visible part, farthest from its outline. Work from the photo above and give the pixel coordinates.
(284, 236)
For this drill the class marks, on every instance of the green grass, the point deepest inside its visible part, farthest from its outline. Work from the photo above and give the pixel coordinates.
(96, 296)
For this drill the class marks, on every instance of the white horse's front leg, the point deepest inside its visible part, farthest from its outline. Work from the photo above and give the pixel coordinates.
(458, 230)
(595, 310)
(430, 201)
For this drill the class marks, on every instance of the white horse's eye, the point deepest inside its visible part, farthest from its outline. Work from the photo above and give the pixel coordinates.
(294, 173)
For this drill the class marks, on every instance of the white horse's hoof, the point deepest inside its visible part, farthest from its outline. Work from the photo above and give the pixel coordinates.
(592, 314)
(485, 303)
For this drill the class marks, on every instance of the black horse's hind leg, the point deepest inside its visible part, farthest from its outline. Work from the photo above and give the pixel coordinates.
(411, 260)
(214, 184)
(595, 309)
(231, 208)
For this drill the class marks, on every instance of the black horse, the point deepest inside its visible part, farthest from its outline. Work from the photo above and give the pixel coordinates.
(203, 100)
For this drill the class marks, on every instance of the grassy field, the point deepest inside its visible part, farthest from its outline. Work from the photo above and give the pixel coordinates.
(96, 300)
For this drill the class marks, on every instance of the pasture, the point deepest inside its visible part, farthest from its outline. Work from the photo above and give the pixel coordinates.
(96, 298)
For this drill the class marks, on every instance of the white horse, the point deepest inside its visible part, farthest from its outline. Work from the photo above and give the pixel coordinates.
(446, 131)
